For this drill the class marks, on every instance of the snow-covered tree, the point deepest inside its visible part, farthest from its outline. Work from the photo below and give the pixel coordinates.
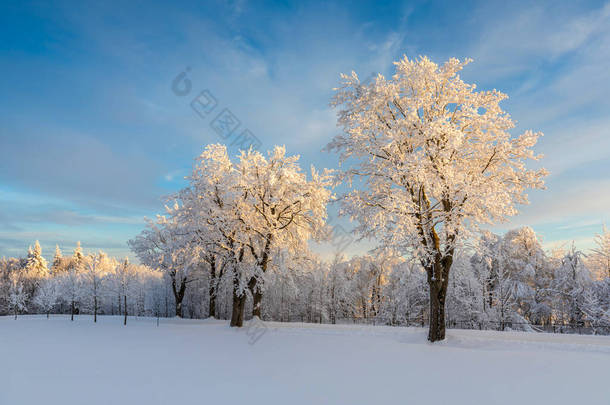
(165, 244)
(47, 295)
(571, 280)
(58, 261)
(405, 295)
(124, 279)
(78, 256)
(36, 265)
(70, 282)
(595, 307)
(530, 276)
(95, 269)
(250, 209)
(436, 159)
(280, 208)
(17, 296)
(35, 269)
(600, 257)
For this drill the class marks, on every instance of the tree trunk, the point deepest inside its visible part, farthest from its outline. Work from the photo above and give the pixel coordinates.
(239, 307)
(95, 309)
(179, 294)
(438, 282)
(212, 311)
(125, 309)
(257, 293)
(179, 308)
(257, 298)
(239, 298)
(72, 311)
(212, 289)
(438, 293)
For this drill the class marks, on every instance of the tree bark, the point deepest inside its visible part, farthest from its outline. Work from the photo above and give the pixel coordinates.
(95, 309)
(179, 294)
(239, 302)
(257, 293)
(438, 282)
(239, 298)
(72, 311)
(239, 307)
(438, 293)
(257, 298)
(125, 309)
(212, 311)
(212, 289)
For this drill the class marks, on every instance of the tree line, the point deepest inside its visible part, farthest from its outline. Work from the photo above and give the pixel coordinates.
(500, 282)
(92, 284)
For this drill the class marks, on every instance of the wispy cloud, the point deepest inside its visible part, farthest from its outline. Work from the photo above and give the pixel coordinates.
(96, 134)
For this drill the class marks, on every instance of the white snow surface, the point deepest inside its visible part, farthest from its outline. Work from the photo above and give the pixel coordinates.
(56, 361)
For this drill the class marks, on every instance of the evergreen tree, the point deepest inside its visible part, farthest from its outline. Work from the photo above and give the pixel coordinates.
(57, 260)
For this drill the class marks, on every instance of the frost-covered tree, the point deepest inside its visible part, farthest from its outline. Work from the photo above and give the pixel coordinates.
(95, 269)
(406, 300)
(165, 245)
(595, 307)
(36, 265)
(207, 218)
(281, 208)
(529, 272)
(341, 295)
(77, 255)
(124, 278)
(58, 261)
(464, 298)
(250, 208)
(600, 257)
(436, 160)
(17, 296)
(70, 282)
(47, 295)
(35, 269)
(571, 280)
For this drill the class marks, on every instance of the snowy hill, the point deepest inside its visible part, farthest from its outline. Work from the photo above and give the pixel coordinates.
(56, 361)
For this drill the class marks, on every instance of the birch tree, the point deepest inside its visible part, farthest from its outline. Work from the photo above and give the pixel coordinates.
(435, 160)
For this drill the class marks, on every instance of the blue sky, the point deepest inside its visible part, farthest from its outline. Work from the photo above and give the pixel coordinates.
(92, 135)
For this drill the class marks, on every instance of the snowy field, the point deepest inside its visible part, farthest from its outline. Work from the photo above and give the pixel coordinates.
(56, 361)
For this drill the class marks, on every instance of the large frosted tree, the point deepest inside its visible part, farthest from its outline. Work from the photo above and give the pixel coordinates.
(249, 209)
(433, 159)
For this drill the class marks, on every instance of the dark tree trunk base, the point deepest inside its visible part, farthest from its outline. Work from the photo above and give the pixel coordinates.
(438, 292)
(239, 307)
(212, 311)
(257, 297)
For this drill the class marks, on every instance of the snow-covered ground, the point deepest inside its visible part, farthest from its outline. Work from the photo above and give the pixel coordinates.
(56, 361)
